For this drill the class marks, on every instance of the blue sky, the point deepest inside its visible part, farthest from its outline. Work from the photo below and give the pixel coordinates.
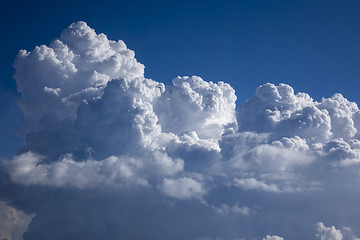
(311, 45)
(111, 154)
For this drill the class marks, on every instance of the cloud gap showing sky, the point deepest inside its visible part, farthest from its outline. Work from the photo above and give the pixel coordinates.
(110, 154)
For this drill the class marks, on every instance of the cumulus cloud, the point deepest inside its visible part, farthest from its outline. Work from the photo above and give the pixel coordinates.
(328, 233)
(55, 79)
(281, 133)
(145, 153)
(182, 188)
(268, 237)
(331, 233)
(99, 105)
(13, 222)
(301, 122)
(193, 104)
(27, 169)
(253, 184)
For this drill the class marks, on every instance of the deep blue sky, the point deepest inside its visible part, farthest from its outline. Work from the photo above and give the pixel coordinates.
(311, 45)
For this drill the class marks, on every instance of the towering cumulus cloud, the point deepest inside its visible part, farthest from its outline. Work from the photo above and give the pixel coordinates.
(110, 154)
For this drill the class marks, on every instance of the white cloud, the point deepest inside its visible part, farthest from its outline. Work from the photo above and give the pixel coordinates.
(92, 121)
(182, 188)
(193, 104)
(13, 222)
(328, 233)
(276, 109)
(274, 237)
(283, 133)
(253, 184)
(342, 114)
(79, 60)
(331, 233)
(29, 169)
(342, 153)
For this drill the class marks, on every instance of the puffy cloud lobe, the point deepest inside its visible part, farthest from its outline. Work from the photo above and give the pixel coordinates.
(193, 104)
(101, 125)
(328, 233)
(104, 106)
(74, 68)
(182, 188)
(270, 105)
(268, 237)
(26, 169)
(342, 153)
(122, 121)
(13, 222)
(349, 234)
(100, 107)
(114, 171)
(287, 114)
(283, 132)
(342, 114)
(253, 184)
(280, 112)
(331, 233)
(267, 165)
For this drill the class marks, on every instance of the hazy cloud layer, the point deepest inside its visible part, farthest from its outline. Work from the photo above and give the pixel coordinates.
(115, 155)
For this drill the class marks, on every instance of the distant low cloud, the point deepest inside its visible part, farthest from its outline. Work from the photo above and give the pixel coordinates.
(27, 169)
(253, 184)
(183, 188)
(331, 233)
(268, 237)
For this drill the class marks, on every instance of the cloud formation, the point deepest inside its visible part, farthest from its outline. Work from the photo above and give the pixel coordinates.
(138, 154)
(331, 233)
(13, 222)
(268, 237)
